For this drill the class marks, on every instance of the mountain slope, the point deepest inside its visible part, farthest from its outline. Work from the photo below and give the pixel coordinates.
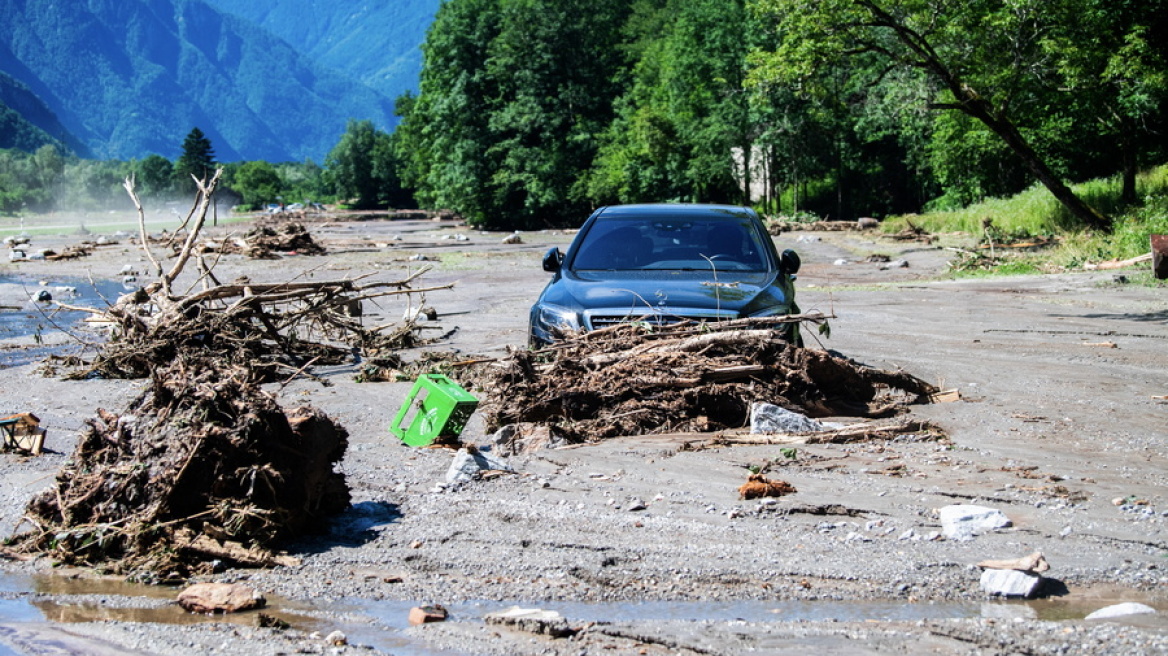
(132, 77)
(375, 43)
(27, 123)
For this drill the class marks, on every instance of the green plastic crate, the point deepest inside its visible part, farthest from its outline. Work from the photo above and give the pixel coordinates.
(435, 408)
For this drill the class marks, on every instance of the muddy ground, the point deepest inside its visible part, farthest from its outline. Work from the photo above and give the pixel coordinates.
(1059, 420)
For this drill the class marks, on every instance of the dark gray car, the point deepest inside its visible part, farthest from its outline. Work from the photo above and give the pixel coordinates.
(663, 264)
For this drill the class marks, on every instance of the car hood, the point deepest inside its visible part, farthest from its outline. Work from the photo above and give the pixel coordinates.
(732, 291)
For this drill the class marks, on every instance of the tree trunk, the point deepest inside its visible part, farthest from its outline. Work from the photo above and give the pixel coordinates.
(1130, 164)
(979, 108)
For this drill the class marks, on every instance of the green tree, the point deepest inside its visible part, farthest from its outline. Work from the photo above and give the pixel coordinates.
(257, 183)
(984, 59)
(196, 162)
(154, 175)
(364, 168)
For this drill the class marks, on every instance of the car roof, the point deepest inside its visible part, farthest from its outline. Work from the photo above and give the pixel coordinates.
(675, 209)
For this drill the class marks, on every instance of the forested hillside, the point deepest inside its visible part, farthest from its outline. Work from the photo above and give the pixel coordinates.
(132, 77)
(531, 112)
(26, 123)
(372, 42)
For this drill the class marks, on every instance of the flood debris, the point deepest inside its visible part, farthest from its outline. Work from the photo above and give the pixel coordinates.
(23, 433)
(278, 329)
(268, 239)
(758, 486)
(209, 598)
(1034, 563)
(202, 468)
(633, 380)
(470, 463)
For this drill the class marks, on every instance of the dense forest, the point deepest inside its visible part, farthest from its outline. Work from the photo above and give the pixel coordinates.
(530, 113)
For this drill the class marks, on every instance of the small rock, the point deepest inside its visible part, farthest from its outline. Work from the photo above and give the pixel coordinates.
(841, 262)
(867, 222)
(418, 257)
(427, 614)
(963, 522)
(336, 639)
(1010, 583)
(220, 598)
(636, 504)
(513, 238)
(894, 264)
(1120, 610)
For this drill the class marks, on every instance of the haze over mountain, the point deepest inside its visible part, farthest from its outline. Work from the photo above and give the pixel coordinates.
(375, 43)
(127, 78)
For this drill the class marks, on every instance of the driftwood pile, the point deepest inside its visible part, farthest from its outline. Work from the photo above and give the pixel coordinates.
(203, 466)
(268, 239)
(628, 381)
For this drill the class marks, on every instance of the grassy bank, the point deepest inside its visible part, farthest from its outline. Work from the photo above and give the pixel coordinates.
(1035, 214)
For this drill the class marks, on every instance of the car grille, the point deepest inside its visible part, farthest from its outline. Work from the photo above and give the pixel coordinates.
(603, 320)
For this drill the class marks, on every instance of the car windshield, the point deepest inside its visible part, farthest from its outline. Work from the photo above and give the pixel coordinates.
(683, 243)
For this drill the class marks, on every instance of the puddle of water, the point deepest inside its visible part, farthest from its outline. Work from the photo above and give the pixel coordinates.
(381, 624)
(21, 317)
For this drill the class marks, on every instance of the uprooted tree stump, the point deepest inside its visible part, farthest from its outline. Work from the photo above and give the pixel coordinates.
(202, 466)
(629, 381)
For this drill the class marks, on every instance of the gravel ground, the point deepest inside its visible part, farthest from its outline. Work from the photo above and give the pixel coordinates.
(644, 545)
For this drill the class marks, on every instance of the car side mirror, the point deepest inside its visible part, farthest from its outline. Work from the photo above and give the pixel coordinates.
(789, 262)
(552, 260)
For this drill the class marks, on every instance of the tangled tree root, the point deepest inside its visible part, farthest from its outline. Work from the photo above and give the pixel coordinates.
(628, 382)
(202, 466)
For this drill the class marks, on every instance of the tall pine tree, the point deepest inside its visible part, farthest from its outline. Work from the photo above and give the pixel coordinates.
(197, 160)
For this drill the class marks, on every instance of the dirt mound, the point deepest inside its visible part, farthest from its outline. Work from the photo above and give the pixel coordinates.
(202, 466)
(628, 382)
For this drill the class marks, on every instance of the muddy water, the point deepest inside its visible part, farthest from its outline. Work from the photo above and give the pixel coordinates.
(67, 599)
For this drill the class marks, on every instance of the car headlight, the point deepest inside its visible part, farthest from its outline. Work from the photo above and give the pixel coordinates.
(554, 316)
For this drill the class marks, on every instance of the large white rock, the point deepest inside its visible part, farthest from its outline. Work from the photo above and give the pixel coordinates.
(769, 418)
(1010, 583)
(1119, 610)
(962, 522)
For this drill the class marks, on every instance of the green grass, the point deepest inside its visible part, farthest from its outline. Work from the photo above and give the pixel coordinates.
(1035, 212)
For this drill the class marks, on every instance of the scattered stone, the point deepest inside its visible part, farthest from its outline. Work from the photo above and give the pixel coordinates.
(1034, 563)
(1010, 583)
(418, 257)
(427, 614)
(841, 262)
(1120, 610)
(636, 504)
(894, 264)
(963, 522)
(513, 238)
(220, 598)
(469, 463)
(769, 418)
(532, 620)
(336, 639)
(867, 222)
